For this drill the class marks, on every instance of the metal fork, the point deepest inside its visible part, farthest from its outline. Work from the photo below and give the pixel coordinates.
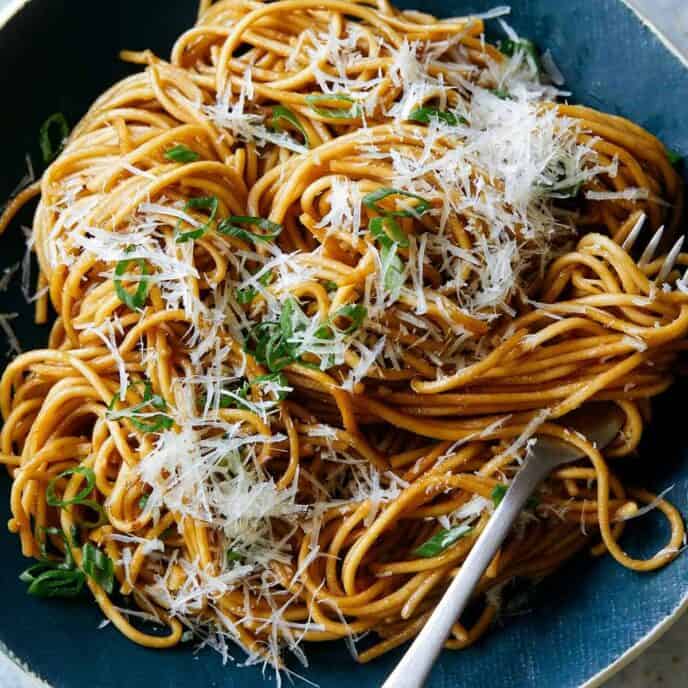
(600, 422)
(650, 250)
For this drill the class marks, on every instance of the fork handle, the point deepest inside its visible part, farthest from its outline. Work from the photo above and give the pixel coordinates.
(415, 665)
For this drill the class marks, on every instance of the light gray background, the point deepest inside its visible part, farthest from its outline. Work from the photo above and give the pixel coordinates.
(665, 665)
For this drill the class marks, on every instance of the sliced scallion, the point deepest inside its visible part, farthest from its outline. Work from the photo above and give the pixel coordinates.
(98, 566)
(181, 153)
(232, 226)
(204, 203)
(137, 300)
(280, 113)
(440, 541)
(52, 146)
(320, 102)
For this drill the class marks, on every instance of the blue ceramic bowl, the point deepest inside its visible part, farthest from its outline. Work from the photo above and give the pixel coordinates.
(584, 622)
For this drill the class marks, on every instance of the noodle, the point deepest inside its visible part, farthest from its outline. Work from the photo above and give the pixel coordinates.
(319, 279)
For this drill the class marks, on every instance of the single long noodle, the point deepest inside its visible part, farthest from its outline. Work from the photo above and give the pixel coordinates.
(270, 510)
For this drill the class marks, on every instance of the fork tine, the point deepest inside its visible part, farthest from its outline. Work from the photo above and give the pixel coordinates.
(649, 252)
(670, 261)
(633, 234)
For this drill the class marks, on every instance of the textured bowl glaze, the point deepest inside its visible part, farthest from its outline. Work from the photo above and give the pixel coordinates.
(585, 621)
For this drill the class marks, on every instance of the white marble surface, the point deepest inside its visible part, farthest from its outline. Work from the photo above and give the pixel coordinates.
(665, 664)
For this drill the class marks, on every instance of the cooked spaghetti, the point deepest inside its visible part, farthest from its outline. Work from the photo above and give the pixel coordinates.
(320, 279)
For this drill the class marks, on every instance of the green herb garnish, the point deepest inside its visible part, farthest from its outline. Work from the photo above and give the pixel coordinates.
(233, 557)
(440, 541)
(136, 300)
(153, 423)
(425, 115)
(510, 47)
(46, 580)
(275, 343)
(498, 494)
(371, 200)
(272, 345)
(387, 230)
(49, 148)
(500, 490)
(54, 578)
(280, 113)
(501, 93)
(180, 153)
(246, 295)
(674, 157)
(279, 380)
(67, 560)
(98, 566)
(81, 498)
(351, 112)
(356, 314)
(205, 203)
(392, 268)
(232, 227)
(266, 343)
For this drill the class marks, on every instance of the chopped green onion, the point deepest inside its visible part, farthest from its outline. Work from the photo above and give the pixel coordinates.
(371, 199)
(136, 300)
(281, 113)
(49, 149)
(500, 490)
(324, 332)
(233, 556)
(51, 578)
(674, 157)
(180, 153)
(81, 498)
(351, 112)
(245, 296)
(501, 93)
(233, 397)
(143, 500)
(498, 494)
(292, 318)
(425, 115)
(387, 231)
(206, 203)
(356, 313)
(271, 345)
(68, 560)
(392, 268)
(98, 566)
(331, 286)
(46, 580)
(277, 379)
(232, 227)
(154, 423)
(440, 541)
(510, 47)
(271, 342)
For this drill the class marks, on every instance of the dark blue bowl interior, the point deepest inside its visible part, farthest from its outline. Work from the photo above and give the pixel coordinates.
(58, 56)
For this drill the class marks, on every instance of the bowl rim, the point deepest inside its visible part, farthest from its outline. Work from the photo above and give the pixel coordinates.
(13, 8)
